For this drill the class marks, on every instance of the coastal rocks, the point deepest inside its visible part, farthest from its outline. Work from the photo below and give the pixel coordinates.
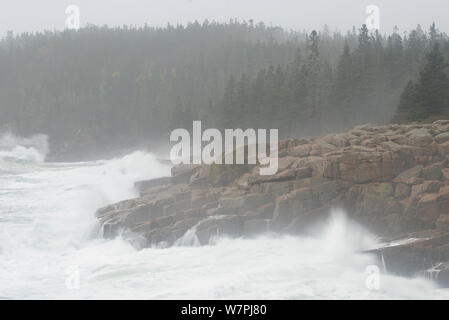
(409, 176)
(419, 137)
(415, 252)
(442, 137)
(293, 204)
(393, 179)
(439, 273)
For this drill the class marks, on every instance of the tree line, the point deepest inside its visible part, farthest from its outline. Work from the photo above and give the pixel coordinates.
(101, 86)
(311, 96)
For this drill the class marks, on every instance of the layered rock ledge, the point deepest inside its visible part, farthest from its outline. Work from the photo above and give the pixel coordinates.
(393, 179)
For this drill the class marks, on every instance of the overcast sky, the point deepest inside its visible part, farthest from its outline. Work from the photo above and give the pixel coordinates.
(38, 15)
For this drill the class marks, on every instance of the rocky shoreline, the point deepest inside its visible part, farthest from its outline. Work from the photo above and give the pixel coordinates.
(392, 179)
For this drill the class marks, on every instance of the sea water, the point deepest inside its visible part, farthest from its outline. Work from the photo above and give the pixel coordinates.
(50, 246)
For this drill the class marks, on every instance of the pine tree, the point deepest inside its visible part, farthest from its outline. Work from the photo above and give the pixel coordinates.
(407, 103)
(429, 98)
(229, 105)
(434, 34)
(311, 73)
(294, 91)
(433, 86)
(342, 91)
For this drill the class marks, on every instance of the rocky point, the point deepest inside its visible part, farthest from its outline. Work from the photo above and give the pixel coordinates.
(392, 179)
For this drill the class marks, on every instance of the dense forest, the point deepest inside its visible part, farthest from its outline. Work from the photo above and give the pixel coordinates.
(311, 96)
(102, 87)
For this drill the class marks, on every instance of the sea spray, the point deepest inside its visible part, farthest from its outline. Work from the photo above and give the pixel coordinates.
(34, 148)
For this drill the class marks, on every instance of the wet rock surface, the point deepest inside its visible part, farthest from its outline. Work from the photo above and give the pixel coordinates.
(393, 179)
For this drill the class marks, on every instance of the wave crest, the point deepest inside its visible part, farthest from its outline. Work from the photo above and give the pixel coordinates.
(31, 149)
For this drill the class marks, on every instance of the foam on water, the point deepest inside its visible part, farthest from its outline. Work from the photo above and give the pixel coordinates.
(47, 219)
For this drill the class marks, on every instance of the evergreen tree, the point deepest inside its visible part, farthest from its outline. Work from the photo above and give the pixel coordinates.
(343, 88)
(433, 86)
(229, 105)
(429, 98)
(434, 34)
(311, 71)
(407, 103)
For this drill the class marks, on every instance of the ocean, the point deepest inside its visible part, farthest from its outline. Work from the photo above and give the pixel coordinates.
(51, 245)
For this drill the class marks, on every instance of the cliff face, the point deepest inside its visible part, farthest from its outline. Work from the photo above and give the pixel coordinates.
(392, 179)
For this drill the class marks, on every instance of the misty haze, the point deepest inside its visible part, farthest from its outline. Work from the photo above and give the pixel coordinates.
(349, 101)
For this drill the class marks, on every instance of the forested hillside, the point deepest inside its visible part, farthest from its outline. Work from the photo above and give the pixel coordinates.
(311, 96)
(103, 87)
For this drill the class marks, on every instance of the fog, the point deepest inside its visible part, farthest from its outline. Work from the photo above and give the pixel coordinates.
(28, 16)
(101, 89)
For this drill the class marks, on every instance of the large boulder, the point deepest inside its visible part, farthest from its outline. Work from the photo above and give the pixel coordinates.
(420, 137)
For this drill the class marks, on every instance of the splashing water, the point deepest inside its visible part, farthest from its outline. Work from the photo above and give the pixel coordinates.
(33, 149)
(47, 219)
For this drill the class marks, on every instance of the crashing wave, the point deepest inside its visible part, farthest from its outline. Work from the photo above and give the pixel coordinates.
(34, 148)
(17, 152)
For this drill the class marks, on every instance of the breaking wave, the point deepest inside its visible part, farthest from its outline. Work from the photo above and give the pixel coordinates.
(33, 149)
(18, 154)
